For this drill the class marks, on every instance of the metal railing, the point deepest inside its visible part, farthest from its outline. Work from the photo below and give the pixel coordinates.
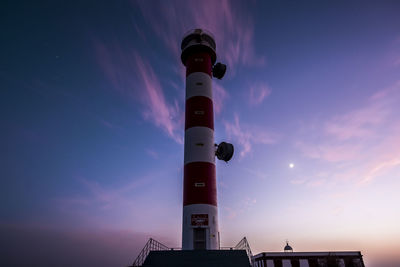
(151, 245)
(244, 245)
(154, 245)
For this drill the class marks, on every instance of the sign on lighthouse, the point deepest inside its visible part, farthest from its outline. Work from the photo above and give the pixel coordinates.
(200, 210)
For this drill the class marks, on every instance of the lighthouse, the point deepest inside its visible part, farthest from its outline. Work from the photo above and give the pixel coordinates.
(200, 208)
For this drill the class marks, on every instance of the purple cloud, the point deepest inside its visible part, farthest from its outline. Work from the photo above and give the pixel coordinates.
(116, 65)
(367, 136)
(359, 123)
(119, 65)
(248, 135)
(108, 124)
(395, 53)
(158, 110)
(331, 152)
(258, 92)
(98, 200)
(152, 153)
(231, 26)
(220, 95)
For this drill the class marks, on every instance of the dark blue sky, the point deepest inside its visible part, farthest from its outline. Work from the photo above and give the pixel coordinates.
(92, 102)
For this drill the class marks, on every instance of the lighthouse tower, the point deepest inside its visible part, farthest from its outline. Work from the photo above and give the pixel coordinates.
(200, 210)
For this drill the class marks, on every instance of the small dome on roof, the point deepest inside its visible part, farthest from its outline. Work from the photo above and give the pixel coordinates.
(288, 248)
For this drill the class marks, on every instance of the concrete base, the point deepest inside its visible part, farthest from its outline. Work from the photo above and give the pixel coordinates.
(197, 258)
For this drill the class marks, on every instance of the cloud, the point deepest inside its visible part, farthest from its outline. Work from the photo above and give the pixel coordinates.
(397, 61)
(108, 124)
(132, 75)
(231, 26)
(361, 144)
(117, 65)
(395, 54)
(219, 97)
(241, 206)
(97, 201)
(258, 92)
(152, 153)
(109, 196)
(257, 173)
(384, 157)
(231, 213)
(331, 152)
(298, 181)
(120, 66)
(359, 123)
(316, 182)
(380, 167)
(246, 136)
(158, 110)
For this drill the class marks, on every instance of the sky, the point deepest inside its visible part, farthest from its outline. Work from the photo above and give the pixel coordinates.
(92, 125)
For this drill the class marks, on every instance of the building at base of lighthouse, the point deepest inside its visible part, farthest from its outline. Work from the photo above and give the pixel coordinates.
(200, 210)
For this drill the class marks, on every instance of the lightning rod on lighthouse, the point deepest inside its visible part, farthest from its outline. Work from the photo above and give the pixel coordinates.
(200, 210)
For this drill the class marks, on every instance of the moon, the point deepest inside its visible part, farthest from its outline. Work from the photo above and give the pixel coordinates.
(291, 165)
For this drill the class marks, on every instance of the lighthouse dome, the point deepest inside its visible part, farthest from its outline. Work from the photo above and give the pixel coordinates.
(288, 248)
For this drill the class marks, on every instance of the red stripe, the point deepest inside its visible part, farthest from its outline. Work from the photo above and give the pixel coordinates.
(199, 172)
(198, 62)
(199, 112)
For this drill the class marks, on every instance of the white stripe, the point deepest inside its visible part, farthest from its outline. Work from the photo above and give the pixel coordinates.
(199, 145)
(211, 230)
(198, 84)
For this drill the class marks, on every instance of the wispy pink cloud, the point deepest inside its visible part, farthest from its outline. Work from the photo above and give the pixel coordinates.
(100, 197)
(242, 206)
(115, 64)
(109, 124)
(379, 168)
(332, 152)
(298, 181)
(316, 182)
(366, 137)
(106, 123)
(220, 95)
(158, 110)
(395, 55)
(234, 33)
(360, 123)
(96, 200)
(231, 213)
(246, 136)
(384, 157)
(232, 27)
(152, 153)
(397, 61)
(366, 122)
(120, 66)
(258, 92)
(257, 173)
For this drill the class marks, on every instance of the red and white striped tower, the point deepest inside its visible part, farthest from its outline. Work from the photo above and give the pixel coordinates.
(200, 213)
